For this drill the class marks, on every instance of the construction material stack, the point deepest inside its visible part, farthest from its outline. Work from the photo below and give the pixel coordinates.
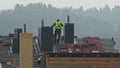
(26, 50)
(45, 38)
(16, 39)
(69, 31)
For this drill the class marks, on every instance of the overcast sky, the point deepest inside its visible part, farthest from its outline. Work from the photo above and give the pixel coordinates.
(7, 4)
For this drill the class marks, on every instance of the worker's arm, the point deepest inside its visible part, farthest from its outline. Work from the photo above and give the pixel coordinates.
(52, 25)
(61, 24)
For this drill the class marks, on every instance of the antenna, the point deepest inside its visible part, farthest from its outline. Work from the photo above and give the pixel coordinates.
(42, 22)
(68, 19)
(24, 28)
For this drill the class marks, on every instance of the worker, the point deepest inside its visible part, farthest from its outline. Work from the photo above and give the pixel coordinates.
(57, 26)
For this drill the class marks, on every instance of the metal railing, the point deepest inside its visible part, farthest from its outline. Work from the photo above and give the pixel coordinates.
(36, 46)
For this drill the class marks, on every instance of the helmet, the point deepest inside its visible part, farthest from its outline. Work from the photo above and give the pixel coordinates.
(58, 20)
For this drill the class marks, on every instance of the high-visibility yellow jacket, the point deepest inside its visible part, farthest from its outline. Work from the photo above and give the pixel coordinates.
(58, 25)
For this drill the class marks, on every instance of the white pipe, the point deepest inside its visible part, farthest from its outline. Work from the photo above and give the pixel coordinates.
(35, 48)
(38, 48)
(0, 65)
(11, 51)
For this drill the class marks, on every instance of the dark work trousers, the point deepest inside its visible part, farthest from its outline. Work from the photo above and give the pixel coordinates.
(57, 35)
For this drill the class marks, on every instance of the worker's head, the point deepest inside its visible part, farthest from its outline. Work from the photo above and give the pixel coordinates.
(58, 20)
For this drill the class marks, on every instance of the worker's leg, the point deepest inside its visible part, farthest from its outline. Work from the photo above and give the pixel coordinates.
(55, 36)
(59, 34)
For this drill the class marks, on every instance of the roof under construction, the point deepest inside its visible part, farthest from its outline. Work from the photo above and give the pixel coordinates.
(88, 45)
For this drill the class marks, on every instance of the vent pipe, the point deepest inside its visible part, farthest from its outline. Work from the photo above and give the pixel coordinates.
(24, 28)
(68, 19)
(42, 22)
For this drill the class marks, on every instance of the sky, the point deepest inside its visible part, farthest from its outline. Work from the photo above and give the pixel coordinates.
(9, 4)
